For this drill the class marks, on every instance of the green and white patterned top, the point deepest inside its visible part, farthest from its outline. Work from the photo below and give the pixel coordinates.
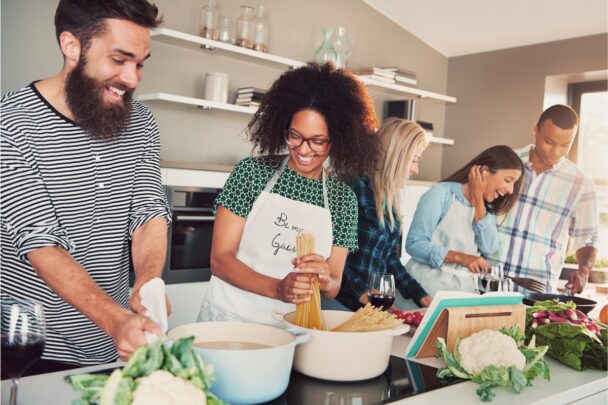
(250, 176)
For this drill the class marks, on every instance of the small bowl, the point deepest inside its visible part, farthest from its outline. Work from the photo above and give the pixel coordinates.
(585, 305)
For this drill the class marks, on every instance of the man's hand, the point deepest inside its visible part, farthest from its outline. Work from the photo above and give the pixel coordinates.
(135, 303)
(426, 301)
(128, 333)
(577, 280)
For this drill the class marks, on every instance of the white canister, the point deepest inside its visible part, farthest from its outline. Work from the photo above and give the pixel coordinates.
(216, 87)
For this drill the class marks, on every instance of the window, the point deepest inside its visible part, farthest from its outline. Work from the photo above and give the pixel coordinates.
(590, 153)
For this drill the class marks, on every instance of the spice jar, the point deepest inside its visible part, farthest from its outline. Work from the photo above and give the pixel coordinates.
(244, 27)
(261, 29)
(209, 20)
(224, 34)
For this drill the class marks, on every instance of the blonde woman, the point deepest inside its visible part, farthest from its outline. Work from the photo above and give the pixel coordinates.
(402, 143)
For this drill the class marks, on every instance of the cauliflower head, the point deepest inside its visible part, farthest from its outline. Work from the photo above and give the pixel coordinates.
(489, 348)
(163, 388)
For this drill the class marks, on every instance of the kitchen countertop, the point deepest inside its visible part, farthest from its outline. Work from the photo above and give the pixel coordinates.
(566, 386)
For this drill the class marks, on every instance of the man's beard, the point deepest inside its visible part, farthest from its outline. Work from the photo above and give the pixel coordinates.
(84, 96)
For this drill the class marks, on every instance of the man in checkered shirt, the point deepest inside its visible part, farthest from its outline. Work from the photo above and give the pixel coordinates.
(558, 202)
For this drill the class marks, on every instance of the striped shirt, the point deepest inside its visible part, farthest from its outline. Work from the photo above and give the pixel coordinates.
(556, 204)
(60, 187)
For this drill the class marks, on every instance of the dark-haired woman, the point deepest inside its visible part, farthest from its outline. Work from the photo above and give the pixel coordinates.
(454, 227)
(322, 117)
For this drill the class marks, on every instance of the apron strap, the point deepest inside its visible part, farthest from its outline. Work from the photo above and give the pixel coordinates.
(275, 177)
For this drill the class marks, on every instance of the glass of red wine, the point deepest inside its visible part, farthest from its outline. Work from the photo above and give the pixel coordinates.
(23, 337)
(381, 290)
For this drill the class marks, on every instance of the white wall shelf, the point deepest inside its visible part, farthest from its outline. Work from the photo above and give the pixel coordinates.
(397, 88)
(169, 36)
(196, 102)
(441, 140)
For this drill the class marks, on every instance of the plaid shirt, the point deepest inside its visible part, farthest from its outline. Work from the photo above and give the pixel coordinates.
(554, 205)
(378, 247)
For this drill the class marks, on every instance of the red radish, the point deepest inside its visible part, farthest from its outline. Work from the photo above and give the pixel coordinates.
(539, 314)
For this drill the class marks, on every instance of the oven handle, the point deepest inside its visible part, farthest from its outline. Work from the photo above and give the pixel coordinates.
(202, 218)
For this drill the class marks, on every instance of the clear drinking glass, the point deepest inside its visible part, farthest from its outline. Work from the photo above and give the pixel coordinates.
(381, 290)
(23, 337)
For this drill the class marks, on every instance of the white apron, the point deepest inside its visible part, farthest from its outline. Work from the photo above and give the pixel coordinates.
(268, 245)
(455, 231)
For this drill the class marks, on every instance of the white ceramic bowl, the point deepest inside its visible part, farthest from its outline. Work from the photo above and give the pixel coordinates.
(245, 376)
(341, 356)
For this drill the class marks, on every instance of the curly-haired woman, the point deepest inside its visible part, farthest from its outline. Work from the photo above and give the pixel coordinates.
(322, 117)
(454, 227)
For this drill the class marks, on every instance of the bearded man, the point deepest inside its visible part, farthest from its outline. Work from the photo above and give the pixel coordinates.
(81, 179)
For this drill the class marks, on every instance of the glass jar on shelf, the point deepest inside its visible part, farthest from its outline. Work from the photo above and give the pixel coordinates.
(209, 27)
(244, 27)
(343, 46)
(225, 35)
(326, 52)
(261, 30)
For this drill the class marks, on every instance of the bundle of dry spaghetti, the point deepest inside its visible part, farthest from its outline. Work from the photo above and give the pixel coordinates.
(308, 314)
(368, 319)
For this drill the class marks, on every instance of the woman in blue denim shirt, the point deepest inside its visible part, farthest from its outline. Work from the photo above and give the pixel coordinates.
(454, 226)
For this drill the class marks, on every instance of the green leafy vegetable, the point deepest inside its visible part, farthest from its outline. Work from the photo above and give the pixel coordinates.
(497, 376)
(573, 343)
(178, 358)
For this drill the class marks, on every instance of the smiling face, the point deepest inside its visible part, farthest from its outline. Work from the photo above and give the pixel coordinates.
(414, 170)
(99, 89)
(311, 127)
(552, 144)
(500, 183)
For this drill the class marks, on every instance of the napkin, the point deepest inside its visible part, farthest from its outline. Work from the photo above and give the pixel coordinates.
(152, 295)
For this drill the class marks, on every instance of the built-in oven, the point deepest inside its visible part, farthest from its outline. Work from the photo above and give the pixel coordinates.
(189, 247)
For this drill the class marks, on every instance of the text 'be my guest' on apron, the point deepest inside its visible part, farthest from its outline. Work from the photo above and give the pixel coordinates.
(268, 246)
(455, 231)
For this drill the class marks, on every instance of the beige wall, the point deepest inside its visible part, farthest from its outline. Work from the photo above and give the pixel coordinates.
(29, 52)
(501, 93)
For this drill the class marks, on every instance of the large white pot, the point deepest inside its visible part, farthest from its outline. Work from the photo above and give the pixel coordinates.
(245, 376)
(341, 356)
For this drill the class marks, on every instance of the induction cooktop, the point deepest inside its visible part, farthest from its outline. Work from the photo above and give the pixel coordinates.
(402, 379)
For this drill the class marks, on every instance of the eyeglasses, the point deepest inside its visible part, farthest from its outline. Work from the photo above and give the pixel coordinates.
(294, 140)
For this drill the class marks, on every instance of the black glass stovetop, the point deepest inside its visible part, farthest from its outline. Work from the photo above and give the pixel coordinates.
(402, 379)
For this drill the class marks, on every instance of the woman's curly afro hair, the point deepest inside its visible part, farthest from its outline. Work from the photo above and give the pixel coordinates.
(339, 97)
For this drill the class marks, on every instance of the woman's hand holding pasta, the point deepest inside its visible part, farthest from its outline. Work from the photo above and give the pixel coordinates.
(295, 288)
(314, 264)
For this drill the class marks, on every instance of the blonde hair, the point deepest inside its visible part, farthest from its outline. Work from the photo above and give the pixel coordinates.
(399, 141)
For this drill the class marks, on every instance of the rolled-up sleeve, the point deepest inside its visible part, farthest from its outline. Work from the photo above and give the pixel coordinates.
(585, 219)
(148, 199)
(28, 215)
(430, 210)
(486, 235)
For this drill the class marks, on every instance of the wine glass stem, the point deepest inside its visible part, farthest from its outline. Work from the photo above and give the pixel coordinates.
(14, 386)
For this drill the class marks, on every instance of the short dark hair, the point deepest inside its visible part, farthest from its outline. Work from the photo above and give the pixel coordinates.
(561, 115)
(496, 158)
(339, 97)
(86, 18)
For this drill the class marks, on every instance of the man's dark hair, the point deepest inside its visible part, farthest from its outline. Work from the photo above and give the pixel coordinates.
(339, 97)
(86, 18)
(561, 115)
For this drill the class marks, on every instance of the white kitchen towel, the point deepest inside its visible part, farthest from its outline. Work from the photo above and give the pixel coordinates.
(152, 295)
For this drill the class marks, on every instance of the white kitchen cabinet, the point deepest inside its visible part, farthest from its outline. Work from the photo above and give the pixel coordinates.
(173, 37)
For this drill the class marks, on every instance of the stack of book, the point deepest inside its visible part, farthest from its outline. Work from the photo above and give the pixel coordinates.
(401, 75)
(377, 73)
(249, 96)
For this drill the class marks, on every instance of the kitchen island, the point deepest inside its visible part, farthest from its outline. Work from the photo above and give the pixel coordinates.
(566, 386)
